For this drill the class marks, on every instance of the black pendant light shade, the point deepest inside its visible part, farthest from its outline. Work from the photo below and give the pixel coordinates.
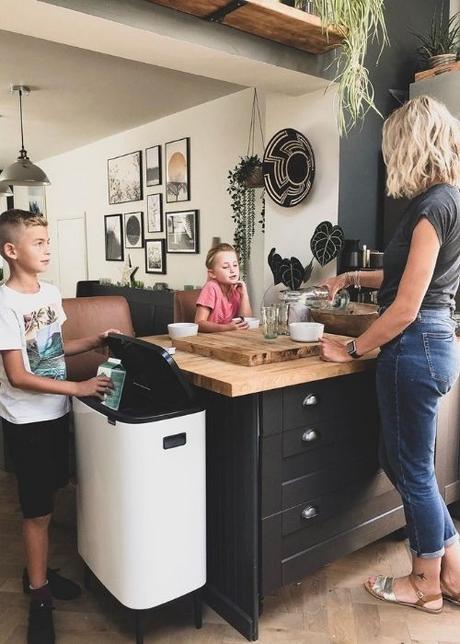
(23, 172)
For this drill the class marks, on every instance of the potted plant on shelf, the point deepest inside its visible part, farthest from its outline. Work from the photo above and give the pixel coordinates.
(360, 22)
(440, 46)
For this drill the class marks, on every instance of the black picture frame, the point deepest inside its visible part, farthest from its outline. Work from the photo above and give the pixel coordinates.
(133, 229)
(175, 187)
(151, 198)
(124, 180)
(116, 244)
(183, 237)
(155, 244)
(153, 180)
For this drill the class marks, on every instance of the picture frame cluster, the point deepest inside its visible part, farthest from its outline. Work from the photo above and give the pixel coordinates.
(125, 178)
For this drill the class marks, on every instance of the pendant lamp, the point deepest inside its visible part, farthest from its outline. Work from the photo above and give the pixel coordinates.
(23, 172)
(5, 189)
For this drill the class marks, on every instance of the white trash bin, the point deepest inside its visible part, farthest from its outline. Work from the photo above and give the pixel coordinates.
(141, 495)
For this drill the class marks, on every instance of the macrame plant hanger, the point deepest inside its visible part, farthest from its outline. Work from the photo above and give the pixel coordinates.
(255, 179)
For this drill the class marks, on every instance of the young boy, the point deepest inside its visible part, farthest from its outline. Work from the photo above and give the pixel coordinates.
(34, 403)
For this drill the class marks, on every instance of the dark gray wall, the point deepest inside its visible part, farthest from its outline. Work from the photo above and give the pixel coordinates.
(361, 190)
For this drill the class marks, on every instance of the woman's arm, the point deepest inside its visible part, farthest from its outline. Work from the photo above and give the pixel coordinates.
(370, 279)
(423, 253)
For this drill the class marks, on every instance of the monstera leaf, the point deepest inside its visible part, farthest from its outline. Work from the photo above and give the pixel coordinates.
(292, 272)
(274, 261)
(326, 242)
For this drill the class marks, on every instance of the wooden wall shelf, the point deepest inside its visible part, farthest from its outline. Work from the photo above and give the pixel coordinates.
(265, 18)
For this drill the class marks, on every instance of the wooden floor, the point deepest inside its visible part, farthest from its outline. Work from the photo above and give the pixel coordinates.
(328, 607)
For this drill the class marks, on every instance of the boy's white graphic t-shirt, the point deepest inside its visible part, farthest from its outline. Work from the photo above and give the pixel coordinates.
(31, 322)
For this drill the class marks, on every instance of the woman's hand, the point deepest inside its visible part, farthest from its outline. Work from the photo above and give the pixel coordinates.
(333, 351)
(335, 284)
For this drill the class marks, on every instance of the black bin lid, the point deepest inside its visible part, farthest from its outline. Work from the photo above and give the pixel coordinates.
(152, 368)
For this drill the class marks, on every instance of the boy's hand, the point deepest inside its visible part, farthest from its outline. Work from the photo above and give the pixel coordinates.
(102, 337)
(97, 386)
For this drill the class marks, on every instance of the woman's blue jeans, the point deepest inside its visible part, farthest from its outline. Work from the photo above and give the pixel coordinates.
(413, 372)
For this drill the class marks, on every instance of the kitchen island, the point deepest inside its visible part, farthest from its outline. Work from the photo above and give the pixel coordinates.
(293, 481)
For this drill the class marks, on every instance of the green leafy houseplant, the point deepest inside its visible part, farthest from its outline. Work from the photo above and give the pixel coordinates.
(360, 22)
(241, 188)
(442, 42)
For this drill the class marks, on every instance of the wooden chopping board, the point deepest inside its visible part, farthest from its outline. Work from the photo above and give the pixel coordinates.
(247, 348)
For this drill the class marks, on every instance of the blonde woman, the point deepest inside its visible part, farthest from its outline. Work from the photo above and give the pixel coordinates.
(418, 362)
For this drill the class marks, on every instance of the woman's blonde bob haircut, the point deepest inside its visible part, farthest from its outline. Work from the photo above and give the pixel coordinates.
(421, 147)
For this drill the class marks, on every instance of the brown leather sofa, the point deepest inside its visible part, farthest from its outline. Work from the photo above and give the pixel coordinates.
(90, 316)
(185, 305)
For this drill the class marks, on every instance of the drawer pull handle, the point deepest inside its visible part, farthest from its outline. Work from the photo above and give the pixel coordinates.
(310, 512)
(310, 400)
(309, 436)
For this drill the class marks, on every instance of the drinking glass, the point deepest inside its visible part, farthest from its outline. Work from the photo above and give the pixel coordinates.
(270, 321)
(283, 318)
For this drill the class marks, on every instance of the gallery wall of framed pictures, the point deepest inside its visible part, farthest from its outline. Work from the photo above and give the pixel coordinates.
(128, 230)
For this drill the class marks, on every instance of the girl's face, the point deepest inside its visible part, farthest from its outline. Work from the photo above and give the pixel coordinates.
(225, 268)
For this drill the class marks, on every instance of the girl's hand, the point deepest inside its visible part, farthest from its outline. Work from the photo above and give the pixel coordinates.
(239, 324)
(241, 285)
(333, 351)
(335, 284)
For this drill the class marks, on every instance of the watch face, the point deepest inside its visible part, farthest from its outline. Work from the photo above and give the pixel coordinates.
(351, 347)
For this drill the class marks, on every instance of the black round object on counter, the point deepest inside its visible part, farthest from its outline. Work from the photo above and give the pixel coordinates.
(288, 167)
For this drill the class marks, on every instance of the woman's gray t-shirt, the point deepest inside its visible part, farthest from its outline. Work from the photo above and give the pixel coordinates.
(440, 204)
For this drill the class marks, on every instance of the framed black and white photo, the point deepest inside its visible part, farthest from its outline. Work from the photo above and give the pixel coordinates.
(113, 238)
(182, 234)
(154, 214)
(178, 170)
(153, 166)
(134, 229)
(124, 175)
(155, 256)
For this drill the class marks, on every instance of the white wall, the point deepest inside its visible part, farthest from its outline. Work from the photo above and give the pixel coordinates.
(290, 229)
(454, 6)
(218, 132)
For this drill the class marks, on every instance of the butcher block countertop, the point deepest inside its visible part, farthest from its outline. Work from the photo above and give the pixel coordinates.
(235, 380)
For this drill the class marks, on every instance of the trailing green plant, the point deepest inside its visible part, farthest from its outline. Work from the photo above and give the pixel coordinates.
(443, 37)
(243, 202)
(359, 22)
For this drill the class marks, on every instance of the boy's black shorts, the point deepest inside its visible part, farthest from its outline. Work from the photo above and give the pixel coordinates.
(40, 456)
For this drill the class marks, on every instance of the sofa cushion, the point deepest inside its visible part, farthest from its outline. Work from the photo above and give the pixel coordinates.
(90, 316)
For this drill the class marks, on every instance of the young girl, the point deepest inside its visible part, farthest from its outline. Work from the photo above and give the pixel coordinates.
(224, 296)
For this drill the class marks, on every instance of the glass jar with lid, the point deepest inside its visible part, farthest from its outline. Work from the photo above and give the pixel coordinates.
(312, 297)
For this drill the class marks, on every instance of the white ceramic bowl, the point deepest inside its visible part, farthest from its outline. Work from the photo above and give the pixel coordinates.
(182, 329)
(306, 331)
(253, 323)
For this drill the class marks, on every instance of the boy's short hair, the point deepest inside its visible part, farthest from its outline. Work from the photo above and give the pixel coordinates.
(211, 256)
(11, 222)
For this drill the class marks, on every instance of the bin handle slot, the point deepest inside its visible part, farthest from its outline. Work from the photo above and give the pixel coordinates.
(175, 440)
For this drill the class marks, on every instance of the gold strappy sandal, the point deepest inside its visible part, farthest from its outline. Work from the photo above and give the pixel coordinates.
(382, 588)
(451, 597)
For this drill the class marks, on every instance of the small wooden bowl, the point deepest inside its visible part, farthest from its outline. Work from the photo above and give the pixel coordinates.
(352, 321)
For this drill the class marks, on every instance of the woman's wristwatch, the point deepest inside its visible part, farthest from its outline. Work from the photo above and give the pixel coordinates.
(351, 349)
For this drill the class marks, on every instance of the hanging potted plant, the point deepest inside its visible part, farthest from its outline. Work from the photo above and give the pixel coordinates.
(441, 44)
(243, 180)
(359, 21)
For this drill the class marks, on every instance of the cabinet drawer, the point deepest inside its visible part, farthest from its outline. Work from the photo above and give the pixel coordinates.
(334, 398)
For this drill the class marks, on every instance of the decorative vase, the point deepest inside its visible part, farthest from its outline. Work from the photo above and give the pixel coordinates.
(441, 59)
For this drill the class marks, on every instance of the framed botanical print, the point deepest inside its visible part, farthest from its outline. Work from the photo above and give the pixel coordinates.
(178, 170)
(182, 233)
(134, 230)
(113, 238)
(154, 213)
(124, 175)
(153, 166)
(155, 256)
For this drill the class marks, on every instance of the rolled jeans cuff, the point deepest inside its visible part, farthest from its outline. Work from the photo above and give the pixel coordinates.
(439, 553)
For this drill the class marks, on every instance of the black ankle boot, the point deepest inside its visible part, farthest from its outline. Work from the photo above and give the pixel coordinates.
(60, 587)
(40, 629)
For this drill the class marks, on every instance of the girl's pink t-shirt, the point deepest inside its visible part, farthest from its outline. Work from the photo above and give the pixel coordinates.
(223, 309)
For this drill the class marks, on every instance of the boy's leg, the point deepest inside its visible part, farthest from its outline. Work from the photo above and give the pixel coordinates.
(36, 548)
